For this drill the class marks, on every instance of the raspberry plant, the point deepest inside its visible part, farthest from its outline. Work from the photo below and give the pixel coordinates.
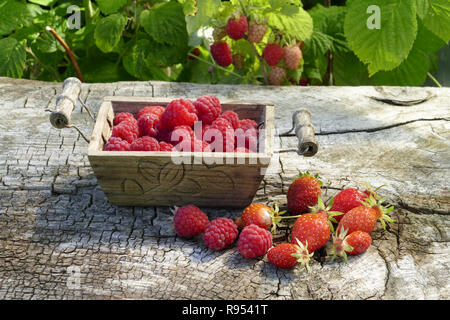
(172, 40)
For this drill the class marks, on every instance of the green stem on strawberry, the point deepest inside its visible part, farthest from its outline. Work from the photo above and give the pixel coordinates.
(215, 65)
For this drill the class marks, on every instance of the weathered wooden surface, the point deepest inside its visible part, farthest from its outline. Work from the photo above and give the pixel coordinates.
(60, 238)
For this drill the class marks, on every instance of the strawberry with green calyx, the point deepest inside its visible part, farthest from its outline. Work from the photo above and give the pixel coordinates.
(355, 243)
(289, 255)
(325, 211)
(374, 192)
(303, 192)
(263, 216)
(380, 209)
(313, 229)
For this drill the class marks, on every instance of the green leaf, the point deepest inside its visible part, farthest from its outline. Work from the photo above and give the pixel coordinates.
(384, 48)
(438, 19)
(110, 6)
(12, 57)
(109, 31)
(298, 26)
(137, 62)
(427, 41)
(200, 14)
(348, 70)
(166, 55)
(46, 3)
(411, 72)
(165, 23)
(422, 7)
(12, 15)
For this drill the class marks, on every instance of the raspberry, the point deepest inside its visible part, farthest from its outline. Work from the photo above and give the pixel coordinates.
(232, 118)
(248, 123)
(180, 134)
(208, 109)
(164, 146)
(190, 221)
(303, 81)
(292, 57)
(242, 150)
(225, 129)
(145, 143)
(119, 117)
(219, 33)
(195, 52)
(237, 27)
(163, 133)
(126, 130)
(220, 233)
(177, 113)
(277, 76)
(117, 144)
(147, 125)
(156, 110)
(221, 53)
(256, 32)
(246, 137)
(254, 241)
(273, 54)
(238, 61)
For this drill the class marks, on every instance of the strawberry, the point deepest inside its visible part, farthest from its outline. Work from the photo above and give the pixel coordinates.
(273, 53)
(303, 193)
(312, 230)
(364, 218)
(346, 200)
(277, 76)
(292, 57)
(256, 32)
(236, 27)
(288, 255)
(263, 216)
(221, 53)
(325, 212)
(355, 243)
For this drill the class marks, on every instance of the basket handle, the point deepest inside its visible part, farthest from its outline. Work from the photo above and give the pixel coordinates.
(305, 132)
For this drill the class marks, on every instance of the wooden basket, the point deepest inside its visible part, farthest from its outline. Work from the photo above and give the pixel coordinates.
(207, 179)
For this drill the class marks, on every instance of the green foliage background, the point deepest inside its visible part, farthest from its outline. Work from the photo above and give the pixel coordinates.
(151, 40)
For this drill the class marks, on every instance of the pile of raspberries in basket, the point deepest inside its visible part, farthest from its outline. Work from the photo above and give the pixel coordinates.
(184, 125)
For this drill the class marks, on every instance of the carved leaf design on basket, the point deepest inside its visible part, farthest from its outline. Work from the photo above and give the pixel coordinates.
(131, 186)
(170, 175)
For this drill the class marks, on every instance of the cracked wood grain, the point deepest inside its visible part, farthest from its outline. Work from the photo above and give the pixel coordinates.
(55, 222)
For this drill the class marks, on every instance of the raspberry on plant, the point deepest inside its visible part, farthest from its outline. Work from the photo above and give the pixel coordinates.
(303, 193)
(126, 130)
(220, 233)
(256, 32)
(208, 108)
(254, 241)
(221, 53)
(273, 53)
(156, 110)
(277, 75)
(145, 143)
(122, 116)
(177, 113)
(195, 52)
(303, 81)
(237, 27)
(292, 57)
(190, 221)
(148, 124)
(238, 61)
(219, 33)
(117, 144)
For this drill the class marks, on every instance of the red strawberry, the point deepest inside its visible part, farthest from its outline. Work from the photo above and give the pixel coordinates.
(272, 54)
(355, 243)
(303, 193)
(190, 221)
(277, 75)
(288, 255)
(237, 27)
(254, 241)
(364, 218)
(292, 57)
(325, 212)
(312, 230)
(262, 216)
(346, 200)
(256, 32)
(221, 53)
